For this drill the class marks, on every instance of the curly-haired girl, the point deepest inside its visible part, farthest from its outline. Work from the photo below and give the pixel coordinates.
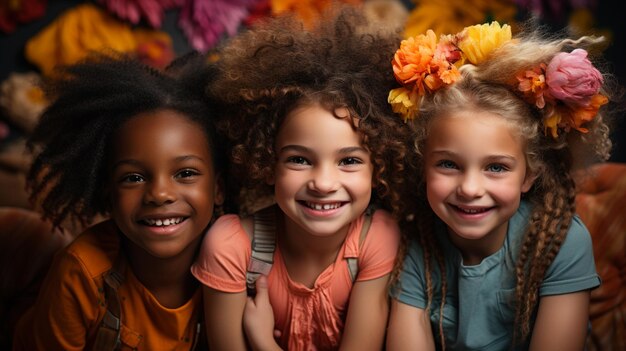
(500, 259)
(137, 146)
(307, 114)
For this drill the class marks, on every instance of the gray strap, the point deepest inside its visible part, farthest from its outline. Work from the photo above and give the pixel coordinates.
(353, 263)
(263, 246)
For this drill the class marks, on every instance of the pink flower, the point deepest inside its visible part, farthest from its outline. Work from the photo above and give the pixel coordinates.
(572, 78)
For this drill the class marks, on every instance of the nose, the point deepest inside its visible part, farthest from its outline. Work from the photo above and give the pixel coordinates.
(471, 185)
(325, 179)
(159, 191)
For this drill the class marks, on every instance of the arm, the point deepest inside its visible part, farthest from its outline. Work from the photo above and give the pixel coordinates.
(258, 319)
(409, 328)
(223, 313)
(561, 322)
(66, 310)
(367, 315)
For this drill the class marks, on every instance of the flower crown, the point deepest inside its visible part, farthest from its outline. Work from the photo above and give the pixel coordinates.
(565, 90)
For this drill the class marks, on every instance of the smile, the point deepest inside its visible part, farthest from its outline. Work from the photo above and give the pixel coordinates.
(162, 222)
(320, 207)
(472, 210)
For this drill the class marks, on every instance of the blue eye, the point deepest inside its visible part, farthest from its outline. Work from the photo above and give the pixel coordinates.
(496, 168)
(446, 164)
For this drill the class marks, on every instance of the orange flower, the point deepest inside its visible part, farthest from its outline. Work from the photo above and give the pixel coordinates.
(585, 114)
(566, 118)
(532, 84)
(411, 63)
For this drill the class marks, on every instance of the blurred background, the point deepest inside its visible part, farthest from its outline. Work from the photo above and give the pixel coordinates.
(36, 35)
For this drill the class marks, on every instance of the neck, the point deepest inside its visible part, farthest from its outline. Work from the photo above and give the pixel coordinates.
(474, 251)
(298, 242)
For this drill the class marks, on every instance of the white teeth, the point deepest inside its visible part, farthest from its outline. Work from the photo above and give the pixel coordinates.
(320, 207)
(471, 211)
(163, 222)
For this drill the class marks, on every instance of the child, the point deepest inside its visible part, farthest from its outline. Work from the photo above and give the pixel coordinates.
(308, 119)
(127, 141)
(505, 262)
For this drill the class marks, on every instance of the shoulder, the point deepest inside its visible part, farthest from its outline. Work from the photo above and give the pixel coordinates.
(578, 240)
(227, 230)
(383, 233)
(573, 268)
(225, 242)
(383, 224)
(95, 249)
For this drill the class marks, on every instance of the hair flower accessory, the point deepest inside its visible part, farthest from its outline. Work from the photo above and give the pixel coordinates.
(424, 64)
(567, 90)
(572, 79)
(478, 41)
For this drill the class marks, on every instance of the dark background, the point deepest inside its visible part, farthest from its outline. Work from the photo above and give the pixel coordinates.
(607, 15)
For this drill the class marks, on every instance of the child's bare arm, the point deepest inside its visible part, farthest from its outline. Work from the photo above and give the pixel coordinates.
(223, 317)
(409, 328)
(367, 315)
(562, 322)
(258, 319)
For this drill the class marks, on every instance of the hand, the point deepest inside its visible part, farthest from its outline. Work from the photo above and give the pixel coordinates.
(258, 319)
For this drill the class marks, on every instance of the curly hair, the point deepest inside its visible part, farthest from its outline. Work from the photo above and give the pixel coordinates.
(486, 87)
(90, 101)
(277, 66)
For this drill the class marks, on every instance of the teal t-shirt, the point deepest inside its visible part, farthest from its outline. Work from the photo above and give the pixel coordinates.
(479, 310)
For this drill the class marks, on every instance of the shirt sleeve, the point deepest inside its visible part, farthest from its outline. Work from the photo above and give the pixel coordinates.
(573, 268)
(411, 288)
(380, 247)
(66, 311)
(224, 255)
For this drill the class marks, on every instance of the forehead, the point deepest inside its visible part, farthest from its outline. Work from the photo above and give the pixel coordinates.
(318, 124)
(156, 131)
(477, 132)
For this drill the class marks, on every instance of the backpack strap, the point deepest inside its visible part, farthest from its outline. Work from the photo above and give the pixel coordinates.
(353, 264)
(108, 336)
(263, 247)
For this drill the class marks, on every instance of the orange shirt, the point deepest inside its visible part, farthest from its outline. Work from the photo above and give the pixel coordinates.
(308, 318)
(71, 303)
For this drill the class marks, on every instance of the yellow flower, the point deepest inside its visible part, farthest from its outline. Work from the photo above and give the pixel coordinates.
(551, 123)
(404, 102)
(479, 41)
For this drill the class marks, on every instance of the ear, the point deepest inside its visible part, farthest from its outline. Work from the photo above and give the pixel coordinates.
(529, 180)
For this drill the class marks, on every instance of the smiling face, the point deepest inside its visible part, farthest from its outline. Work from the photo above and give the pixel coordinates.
(323, 175)
(163, 185)
(476, 172)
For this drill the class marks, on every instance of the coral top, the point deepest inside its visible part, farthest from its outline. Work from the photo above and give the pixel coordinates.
(309, 318)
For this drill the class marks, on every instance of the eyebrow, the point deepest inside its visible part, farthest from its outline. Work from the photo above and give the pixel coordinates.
(490, 158)
(304, 149)
(134, 162)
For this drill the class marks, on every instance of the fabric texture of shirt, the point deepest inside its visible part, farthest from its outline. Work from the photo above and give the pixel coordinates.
(309, 318)
(479, 311)
(71, 303)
